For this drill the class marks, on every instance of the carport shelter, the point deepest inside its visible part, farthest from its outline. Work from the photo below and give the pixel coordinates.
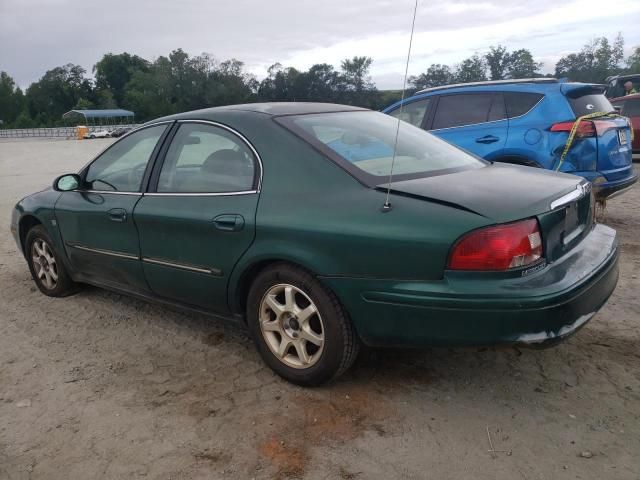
(101, 117)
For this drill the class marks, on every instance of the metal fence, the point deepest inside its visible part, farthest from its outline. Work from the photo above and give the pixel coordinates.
(55, 132)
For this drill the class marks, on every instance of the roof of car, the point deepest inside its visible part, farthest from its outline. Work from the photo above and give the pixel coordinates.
(633, 96)
(270, 108)
(491, 82)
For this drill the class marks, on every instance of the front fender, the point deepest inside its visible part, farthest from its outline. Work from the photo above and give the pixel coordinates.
(38, 208)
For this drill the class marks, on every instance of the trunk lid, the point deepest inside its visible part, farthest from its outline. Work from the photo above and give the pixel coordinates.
(505, 193)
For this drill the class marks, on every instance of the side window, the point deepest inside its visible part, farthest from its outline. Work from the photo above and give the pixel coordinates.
(413, 112)
(498, 110)
(463, 109)
(631, 108)
(121, 167)
(520, 103)
(207, 159)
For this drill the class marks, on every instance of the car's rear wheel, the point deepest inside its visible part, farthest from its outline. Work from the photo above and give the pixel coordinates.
(299, 326)
(45, 264)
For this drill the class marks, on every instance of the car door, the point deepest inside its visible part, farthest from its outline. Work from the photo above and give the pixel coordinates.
(474, 121)
(96, 221)
(199, 216)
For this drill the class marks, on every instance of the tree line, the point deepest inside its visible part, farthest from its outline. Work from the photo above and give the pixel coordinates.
(179, 82)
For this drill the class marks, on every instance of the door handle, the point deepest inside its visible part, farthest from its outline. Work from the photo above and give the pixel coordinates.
(487, 139)
(117, 215)
(229, 222)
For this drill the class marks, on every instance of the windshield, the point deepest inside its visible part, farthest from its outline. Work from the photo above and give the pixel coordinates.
(362, 142)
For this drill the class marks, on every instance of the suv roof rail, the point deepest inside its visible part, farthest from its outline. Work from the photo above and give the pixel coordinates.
(492, 82)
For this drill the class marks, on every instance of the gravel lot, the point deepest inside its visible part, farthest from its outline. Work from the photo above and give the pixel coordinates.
(103, 386)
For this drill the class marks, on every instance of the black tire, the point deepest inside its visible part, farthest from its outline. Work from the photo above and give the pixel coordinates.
(340, 343)
(63, 284)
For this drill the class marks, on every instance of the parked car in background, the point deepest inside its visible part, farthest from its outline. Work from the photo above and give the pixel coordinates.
(630, 107)
(528, 122)
(98, 134)
(271, 215)
(119, 131)
(615, 84)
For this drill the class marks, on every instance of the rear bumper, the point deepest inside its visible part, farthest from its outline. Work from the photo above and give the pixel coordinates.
(606, 190)
(483, 309)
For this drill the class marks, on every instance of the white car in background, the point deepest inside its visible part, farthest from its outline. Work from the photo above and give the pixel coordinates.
(98, 134)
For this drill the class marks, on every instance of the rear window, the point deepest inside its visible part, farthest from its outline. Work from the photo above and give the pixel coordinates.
(519, 103)
(363, 144)
(590, 103)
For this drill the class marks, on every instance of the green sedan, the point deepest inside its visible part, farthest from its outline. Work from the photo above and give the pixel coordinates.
(284, 217)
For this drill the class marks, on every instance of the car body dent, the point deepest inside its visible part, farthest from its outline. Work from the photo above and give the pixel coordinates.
(548, 335)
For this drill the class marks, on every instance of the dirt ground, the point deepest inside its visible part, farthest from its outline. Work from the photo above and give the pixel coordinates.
(99, 385)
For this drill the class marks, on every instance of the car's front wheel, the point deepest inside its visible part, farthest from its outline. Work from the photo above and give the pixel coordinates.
(45, 264)
(299, 326)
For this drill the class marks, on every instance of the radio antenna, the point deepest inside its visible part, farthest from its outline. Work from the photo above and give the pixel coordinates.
(387, 206)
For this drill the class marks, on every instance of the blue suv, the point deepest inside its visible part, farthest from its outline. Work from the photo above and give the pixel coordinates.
(528, 122)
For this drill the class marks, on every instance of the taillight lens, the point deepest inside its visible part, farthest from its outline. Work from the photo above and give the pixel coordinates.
(500, 247)
(586, 128)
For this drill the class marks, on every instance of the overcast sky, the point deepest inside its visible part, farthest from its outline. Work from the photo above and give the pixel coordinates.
(37, 35)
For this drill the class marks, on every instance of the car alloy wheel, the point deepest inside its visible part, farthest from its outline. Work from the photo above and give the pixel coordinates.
(44, 263)
(291, 325)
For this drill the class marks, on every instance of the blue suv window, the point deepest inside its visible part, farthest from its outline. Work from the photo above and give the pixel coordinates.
(468, 109)
(519, 103)
(413, 112)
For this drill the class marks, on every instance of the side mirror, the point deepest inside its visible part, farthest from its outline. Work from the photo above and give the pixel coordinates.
(617, 108)
(66, 183)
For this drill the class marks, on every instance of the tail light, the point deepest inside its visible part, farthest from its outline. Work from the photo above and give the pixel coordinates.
(586, 128)
(499, 247)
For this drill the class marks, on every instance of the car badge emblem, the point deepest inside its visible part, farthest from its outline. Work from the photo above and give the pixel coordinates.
(589, 106)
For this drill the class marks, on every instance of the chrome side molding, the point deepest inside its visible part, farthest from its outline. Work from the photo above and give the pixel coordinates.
(182, 266)
(104, 252)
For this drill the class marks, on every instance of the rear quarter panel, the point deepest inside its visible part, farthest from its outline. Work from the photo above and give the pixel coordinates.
(313, 213)
(529, 136)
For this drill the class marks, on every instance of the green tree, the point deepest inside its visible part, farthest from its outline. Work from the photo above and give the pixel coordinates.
(318, 84)
(114, 71)
(498, 60)
(279, 85)
(435, 76)
(472, 69)
(633, 62)
(12, 101)
(521, 64)
(357, 88)
(57, 92)
(503, 64)
(597, 60)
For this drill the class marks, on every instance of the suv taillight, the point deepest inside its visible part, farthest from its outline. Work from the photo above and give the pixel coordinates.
(499, 247)
(586, 128)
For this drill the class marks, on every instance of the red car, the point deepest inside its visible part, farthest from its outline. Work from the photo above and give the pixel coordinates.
(630, 107)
